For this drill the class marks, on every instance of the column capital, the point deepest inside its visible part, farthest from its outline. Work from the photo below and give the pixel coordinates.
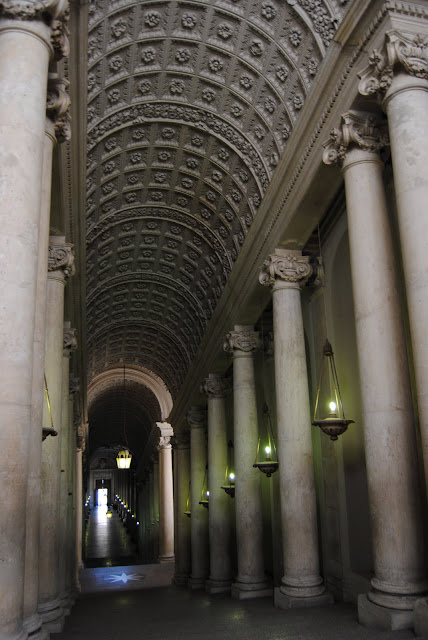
(70, 341)
(360, 130)
(243, 340)
(61, 256)
(181, 440)
(166, 433)
(197, 418)
(287, 266)
(32, 9)
(216, 386)
(58, 106)
(402, 51)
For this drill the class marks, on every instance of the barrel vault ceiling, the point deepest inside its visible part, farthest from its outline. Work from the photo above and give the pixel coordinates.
(190, 106)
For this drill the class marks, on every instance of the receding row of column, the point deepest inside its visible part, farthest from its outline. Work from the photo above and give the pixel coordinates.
(400, 77)
(37, 582)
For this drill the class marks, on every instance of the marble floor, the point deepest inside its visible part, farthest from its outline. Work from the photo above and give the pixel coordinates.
(140, 602)
(107, 543)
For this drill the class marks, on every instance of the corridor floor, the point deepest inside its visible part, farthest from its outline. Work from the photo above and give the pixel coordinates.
(139, 602)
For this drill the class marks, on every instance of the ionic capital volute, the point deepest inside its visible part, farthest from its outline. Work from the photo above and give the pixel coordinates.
(197, 418)
(70, 341)
(357, 130)
(61, 257)
(402, 51)
(58, 106)
(216, 386)
(245, 341)
(286, 266)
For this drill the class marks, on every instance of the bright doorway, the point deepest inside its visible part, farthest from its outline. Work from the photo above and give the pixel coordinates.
(101, 497)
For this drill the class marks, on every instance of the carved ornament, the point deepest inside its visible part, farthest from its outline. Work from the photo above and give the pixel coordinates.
(246, 341)
(405, 51)
(32, 9)
(70, 341)
(286, 265)
(216, 386)
(181, 440)
(164, 442)
(60, 35)
(73, 384)
(197, 418)
(366, 132)
(61, 257)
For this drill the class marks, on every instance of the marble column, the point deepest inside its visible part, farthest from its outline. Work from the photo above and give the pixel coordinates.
(181, 445)
(156, 474)
(197, 421)
(74, 389)
(251, 580)
(389, 430)
(286, 271)
(80, 447)
(216, 388)
(67, 459)
(166, 497)
(399, 76)
(60, 266)
(25, 50)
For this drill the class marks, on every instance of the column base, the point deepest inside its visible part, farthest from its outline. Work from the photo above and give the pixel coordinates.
(218, 586)
(67, 602)
(181, 580)
(248, 590)
(196, 583)
(285, 601)
(163, 559)
(34, 628)
(377, 617)
(52, 616)
(421, 617)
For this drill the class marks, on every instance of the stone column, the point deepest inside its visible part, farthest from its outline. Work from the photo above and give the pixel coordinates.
(25, 49)
(67, 459)
(156, 504)
(389, 431)
(399, 76)
(166, 501)
(181, 446)
(197, 420)
(74, 389)
(286, 271)
(80, 447)
(219, 527)
(60, 266)
(251, 580)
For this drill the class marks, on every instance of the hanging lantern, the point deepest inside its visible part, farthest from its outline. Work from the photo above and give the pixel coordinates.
(205, 494)
(229, 481)
(266, 456)
(334, 423)
(123, 459)
(188, 512)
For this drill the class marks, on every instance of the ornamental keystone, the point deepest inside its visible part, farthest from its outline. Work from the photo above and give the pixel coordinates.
(365, 131)
(287, 265)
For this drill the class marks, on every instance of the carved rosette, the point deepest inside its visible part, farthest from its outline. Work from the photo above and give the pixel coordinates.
(216, 387)
(61, 257)
(244, 341)
(181, 440)
(404, 51)
(364, 131)
(58, 106)
(288, 266)
(197, 418)
(70, 341)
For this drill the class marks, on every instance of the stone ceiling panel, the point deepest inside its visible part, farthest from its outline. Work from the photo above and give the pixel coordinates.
(190, 107)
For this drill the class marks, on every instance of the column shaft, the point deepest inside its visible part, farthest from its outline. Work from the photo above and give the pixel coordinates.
(166, 497)
(182, 522)
(199, 518)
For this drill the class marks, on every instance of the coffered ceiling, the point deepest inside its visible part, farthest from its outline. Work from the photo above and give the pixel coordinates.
(190, 107)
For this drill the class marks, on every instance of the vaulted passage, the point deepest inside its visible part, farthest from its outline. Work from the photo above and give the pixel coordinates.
(213, 312)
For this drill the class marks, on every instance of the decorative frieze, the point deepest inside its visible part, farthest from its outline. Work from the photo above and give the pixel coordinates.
(70, 341)
(61, 257)
(402, 51)
(246, 341)
(216, 386)
(360, 130)
(32, 9)
(287, 265)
